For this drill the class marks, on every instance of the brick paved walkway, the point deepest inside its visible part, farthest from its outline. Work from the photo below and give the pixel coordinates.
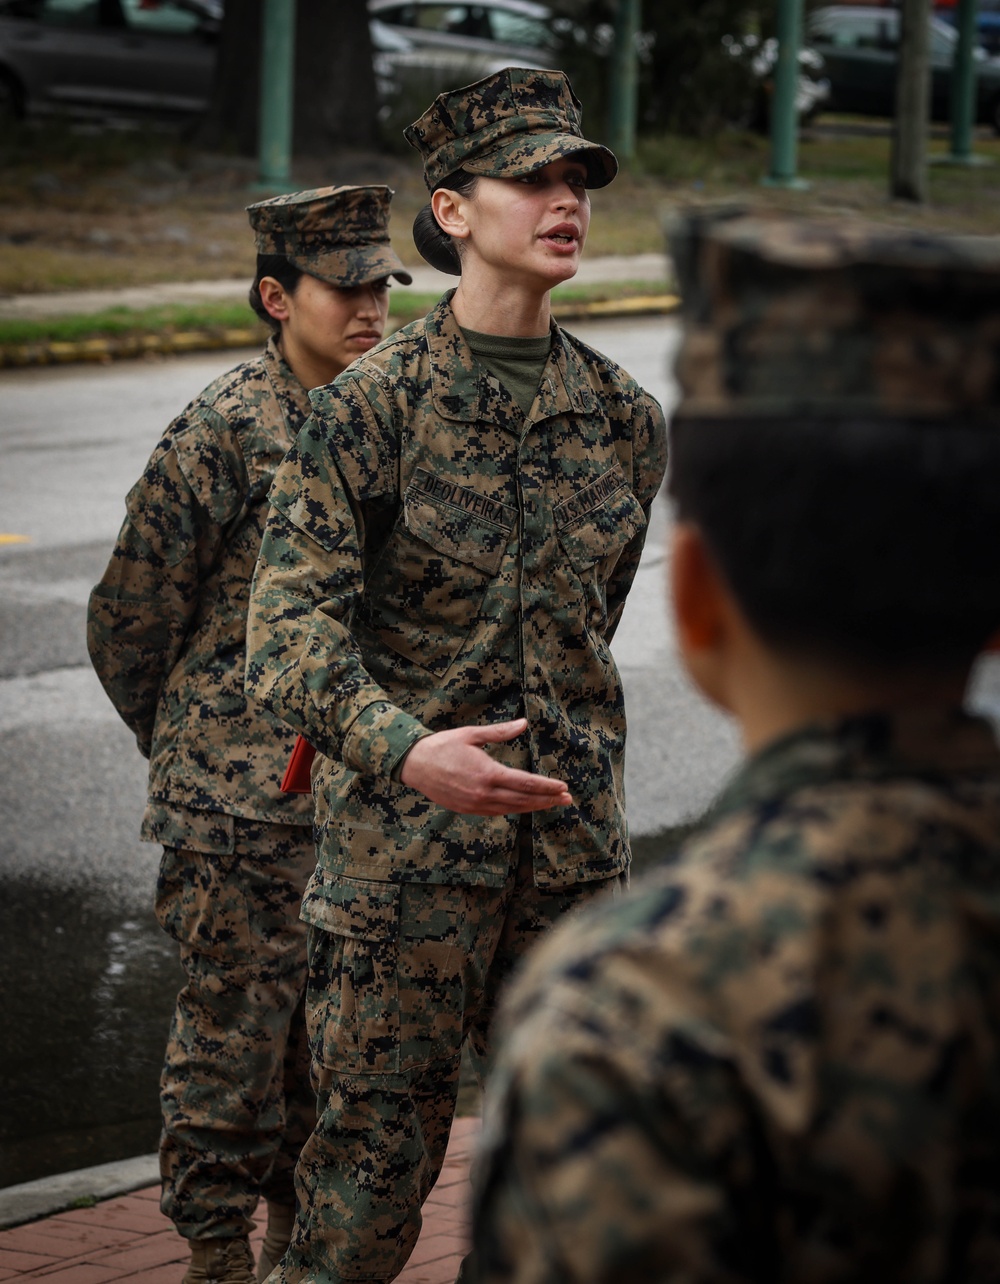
(127, 1239)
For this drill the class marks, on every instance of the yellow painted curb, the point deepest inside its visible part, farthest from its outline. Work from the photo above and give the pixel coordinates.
(128, 346)
(641, 305)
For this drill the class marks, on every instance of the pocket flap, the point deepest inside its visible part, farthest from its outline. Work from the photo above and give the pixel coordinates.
(597, 523)
(359, 908)
(458, 521)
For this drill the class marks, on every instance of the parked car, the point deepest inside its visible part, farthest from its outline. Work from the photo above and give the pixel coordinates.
(812, 89)
(511, 31)
(860, 48)
(448, 45)
(100, 57)
(987, 22)
(96, 56)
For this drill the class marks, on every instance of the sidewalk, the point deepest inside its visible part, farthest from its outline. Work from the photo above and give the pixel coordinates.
(650, 270)
(128, 1240)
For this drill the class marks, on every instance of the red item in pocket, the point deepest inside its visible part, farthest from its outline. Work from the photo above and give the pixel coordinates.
(297, 777)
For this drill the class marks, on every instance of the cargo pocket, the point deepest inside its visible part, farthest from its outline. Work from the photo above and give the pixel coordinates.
(200, 895)
(352, 1003)
(423, 596)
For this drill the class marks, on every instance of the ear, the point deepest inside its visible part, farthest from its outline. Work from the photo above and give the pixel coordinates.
(274, 298)
(704, 612)
(449, 212)
(695, 590)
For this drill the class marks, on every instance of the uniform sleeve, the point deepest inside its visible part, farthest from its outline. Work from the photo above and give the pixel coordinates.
(140, 613)
(302, 660)
(649, 466)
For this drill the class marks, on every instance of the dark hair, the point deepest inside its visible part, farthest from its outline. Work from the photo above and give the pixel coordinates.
(868, 543)
(285, 273)
(434, 244)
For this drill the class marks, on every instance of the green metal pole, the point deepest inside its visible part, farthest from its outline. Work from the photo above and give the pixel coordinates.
(277, 63)
(784, 116)
(624, 80)
(963, 84)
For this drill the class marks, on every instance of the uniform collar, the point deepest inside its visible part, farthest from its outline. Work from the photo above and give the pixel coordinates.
(929, 743)
(294, 399)
(462, 390)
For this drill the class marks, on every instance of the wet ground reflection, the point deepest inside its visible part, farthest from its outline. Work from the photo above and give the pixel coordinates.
(88, 992)
(89, 988)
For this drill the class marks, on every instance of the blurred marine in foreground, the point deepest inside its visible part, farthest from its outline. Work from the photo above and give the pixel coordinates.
(778, 1059)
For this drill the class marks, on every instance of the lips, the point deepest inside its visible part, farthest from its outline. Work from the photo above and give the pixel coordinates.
(364, 336)
(564, 235)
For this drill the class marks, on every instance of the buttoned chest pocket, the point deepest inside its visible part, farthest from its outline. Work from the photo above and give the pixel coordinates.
(423, 596)
(595, 527)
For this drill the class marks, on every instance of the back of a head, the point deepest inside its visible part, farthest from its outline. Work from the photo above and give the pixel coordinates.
(838, 438)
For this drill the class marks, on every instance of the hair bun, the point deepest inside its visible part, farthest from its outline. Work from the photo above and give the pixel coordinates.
(434, 245)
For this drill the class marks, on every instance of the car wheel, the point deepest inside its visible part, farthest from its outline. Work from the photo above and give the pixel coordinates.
(11, 96)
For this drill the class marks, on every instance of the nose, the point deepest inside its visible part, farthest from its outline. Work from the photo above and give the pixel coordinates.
(566, 196)
(368, 302)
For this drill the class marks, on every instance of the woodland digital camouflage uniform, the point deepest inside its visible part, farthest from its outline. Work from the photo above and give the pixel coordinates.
(765, 1063)
(435, 559)
(778, 1058)
(166, 632)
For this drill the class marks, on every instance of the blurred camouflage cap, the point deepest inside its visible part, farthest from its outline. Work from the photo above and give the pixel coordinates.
(511, 123)
(792, 317)
(338, 234)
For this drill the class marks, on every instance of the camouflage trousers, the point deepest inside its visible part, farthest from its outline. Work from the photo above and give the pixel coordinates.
(408, 974)
(235, 1093)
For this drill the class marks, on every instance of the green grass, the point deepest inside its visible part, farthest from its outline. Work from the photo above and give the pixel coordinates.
(227, 318)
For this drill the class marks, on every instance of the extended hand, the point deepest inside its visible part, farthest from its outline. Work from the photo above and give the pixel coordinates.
(452, 769)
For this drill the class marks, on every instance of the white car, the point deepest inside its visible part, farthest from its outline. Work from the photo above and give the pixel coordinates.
(490, 34)
(450, 45)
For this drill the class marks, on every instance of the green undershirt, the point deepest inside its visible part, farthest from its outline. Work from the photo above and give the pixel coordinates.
(517, 363)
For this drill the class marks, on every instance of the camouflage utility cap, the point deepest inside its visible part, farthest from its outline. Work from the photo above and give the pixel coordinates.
(338, 234)
(509, 124)
(791, 318)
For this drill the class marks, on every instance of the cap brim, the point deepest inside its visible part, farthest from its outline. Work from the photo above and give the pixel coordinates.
(350, 267)
(528, 152)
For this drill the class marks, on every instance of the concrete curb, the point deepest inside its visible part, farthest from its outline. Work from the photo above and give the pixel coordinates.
(104, 350)
(34, 1199)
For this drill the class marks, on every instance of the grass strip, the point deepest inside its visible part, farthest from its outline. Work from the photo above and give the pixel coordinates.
(221, 319)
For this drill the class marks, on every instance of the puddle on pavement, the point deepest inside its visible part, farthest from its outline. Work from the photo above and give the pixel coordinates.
(89, 988)
(88, 992)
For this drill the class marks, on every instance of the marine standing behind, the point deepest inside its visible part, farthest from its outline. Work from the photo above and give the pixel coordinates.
(167, 636)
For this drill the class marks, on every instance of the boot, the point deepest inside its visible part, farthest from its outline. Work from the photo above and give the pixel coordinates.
(277, 1237)
(220, 1261)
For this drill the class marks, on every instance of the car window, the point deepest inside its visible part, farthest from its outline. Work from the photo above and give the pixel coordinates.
(856, 31)
(519, 30)
(456, 19)
(482, 22)
(160, 15)
(81, 13)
